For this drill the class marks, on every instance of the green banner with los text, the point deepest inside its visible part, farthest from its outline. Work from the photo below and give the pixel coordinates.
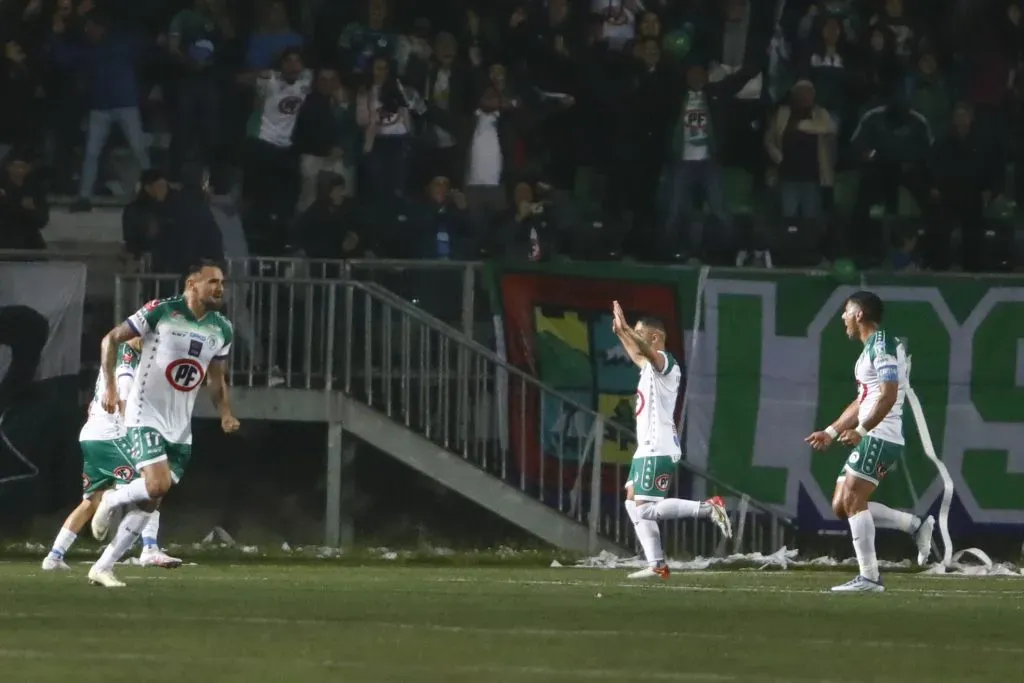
(770, 362)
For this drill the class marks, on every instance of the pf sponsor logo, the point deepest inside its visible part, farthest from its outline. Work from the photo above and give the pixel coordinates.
(663, 481)
(124, 473)
(640, 403)
(185, 374)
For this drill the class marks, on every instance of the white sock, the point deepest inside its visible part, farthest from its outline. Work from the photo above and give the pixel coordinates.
(862, 528)
(151, 532)
(650, 536)
(131, 494)
(61, 544)
(674, 508)
(126, 536)
(887, 518)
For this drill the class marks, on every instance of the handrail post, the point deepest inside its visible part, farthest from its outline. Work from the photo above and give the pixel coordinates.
(332, 301)
(594, 515)
(468, 300)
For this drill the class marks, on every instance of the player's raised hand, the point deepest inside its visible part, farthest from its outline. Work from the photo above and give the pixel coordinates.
(618, 314)
(819, 441)
(110, 399)
(230, 424)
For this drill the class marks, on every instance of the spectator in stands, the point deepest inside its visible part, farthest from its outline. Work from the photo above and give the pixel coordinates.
(929, 94)
(901, 27)
(524, 234)
(894, 143)
(881, 72)
(24, 211)
(331, 228)
(196, 39)
(485, 193)
(384, 112)
(326, 136)
(107, 59)
(190, 233)
(696, 161)
(272, 179)
(145, 218)
(799, 144)
(361, 43)
(438, 229)
(19, 125)
(829, 72)
(272, 38)
(446, 88)
(967, 175)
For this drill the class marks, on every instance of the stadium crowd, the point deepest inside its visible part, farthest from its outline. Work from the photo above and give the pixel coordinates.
(714, 130)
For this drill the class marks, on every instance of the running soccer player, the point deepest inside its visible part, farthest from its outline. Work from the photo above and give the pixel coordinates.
(873, 426)
(183, 338)
(105, 463)
(657, 448)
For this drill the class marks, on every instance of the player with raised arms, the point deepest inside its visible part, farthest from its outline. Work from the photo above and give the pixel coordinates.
(873, 426)
(183, 338)
(657, 444)
(105, 464)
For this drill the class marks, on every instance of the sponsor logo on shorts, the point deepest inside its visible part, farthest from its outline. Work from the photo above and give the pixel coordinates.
(124, 473)
(663, 482)
(854, 457)
(185, 374)
(150, 305)
(127, 357)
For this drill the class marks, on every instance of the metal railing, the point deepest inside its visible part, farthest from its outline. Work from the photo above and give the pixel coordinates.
(428, 377)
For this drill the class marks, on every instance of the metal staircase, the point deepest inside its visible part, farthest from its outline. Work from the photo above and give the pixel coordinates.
(375, 365)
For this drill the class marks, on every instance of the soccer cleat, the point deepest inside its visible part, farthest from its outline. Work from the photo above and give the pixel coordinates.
(860, 584)
(661, 571)
(154, 557)
(719, 515)
(923, 537)
(102, 519)
(105, 578)
(51, 563)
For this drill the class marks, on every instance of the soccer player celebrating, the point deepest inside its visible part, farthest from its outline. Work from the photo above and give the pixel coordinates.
(873, 426)
(658, 449)
(105, 463)
(183, 338)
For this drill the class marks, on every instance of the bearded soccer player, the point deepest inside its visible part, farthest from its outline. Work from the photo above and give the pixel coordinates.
(873, 426)
(105, 464)
(657, 448)
(183, 338)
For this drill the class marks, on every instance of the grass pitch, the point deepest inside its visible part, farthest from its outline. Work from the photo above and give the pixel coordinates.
(307, 623)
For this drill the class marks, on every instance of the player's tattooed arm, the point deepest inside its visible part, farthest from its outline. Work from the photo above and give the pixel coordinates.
(217, 379)
(108, 360)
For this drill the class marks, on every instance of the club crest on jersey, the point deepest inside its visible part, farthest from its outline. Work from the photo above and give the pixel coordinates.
(195, 347)
(124, 473)
(662, 482)
(185, 374)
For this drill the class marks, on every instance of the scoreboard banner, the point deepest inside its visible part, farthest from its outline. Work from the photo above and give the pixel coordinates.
(771, 363)
(40, 355)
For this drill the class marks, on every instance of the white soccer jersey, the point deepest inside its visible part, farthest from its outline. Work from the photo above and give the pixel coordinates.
(281, 103)
(655, 410)
(176, 351)
(101, 425)
(884, 359)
